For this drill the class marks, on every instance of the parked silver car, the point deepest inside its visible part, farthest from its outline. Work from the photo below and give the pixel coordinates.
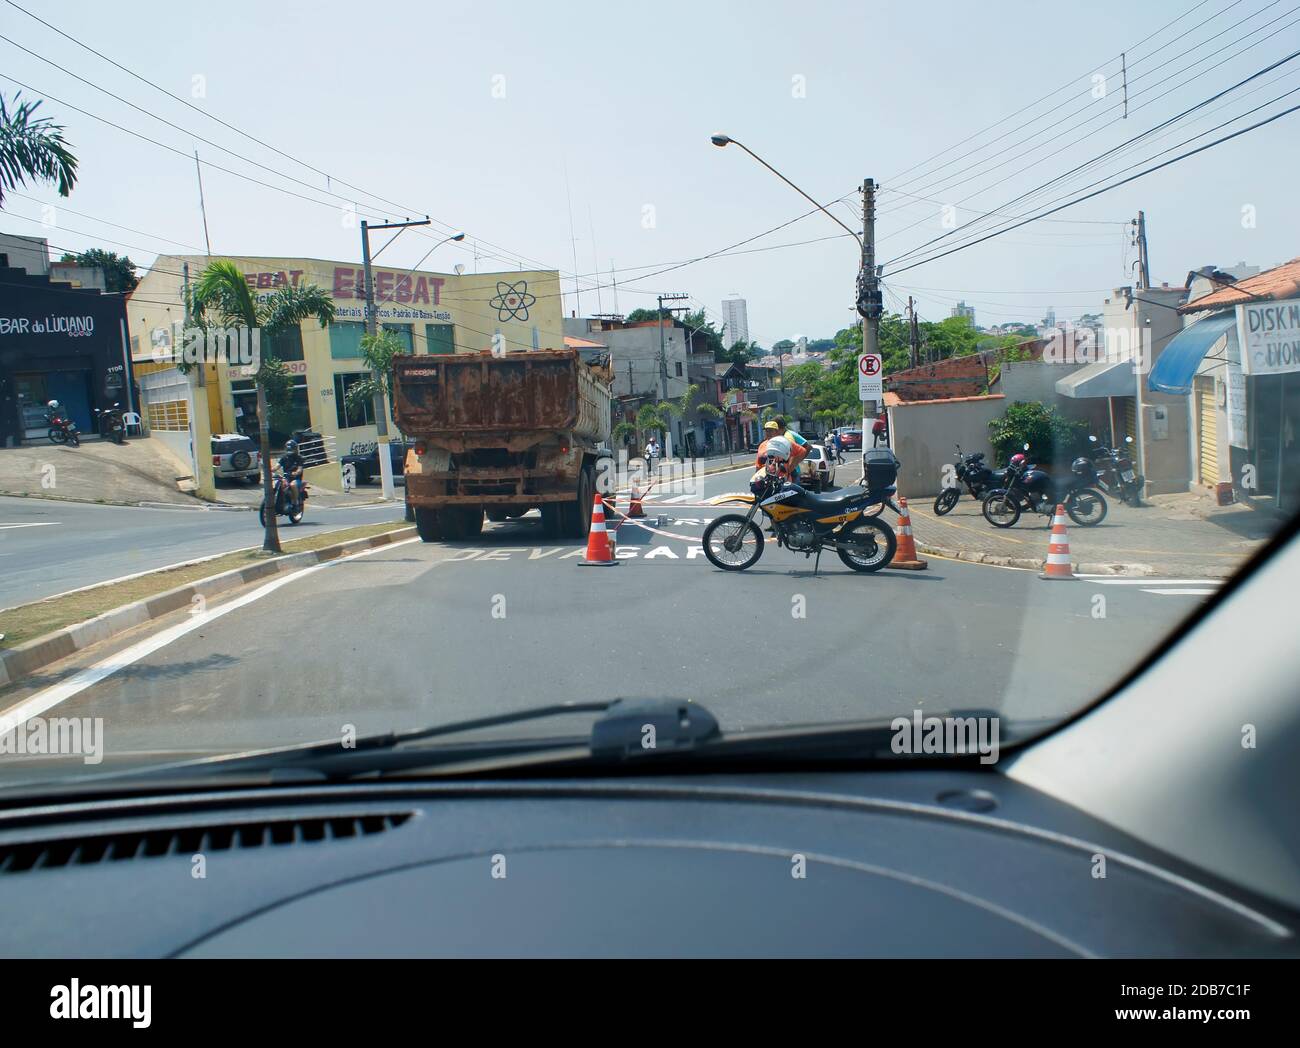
(236, 457)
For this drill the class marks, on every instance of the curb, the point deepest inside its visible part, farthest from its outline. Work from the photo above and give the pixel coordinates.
(1035, 563)
(27, 658)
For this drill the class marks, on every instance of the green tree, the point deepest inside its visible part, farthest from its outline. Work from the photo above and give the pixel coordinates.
(119, 271)
(953, 337)
(704, 336)
(1052, 437)
(639, 316)
(623, 432)
(33, 148)
(741, 352)
(222, 294)
(380, 352)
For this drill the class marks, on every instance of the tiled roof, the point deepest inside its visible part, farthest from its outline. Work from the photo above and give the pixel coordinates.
(1280, 282)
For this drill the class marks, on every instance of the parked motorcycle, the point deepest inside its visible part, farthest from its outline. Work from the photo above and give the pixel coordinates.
(1032, 490)
(977, 477)
(62, 429)
(807, 523)
(110, 425)
(1115, 473)
(283, 506)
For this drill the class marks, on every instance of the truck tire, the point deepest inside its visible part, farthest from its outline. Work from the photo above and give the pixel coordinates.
(428, 524)
(552, 520)
(497, 514)
(576, 515)
(471, 521)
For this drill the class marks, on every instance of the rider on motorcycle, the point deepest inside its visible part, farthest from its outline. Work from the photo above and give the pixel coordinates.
(291, 465)
(798, 448)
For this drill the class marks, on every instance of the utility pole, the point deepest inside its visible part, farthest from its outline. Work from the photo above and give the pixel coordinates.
(1144, 266)
(663, 366)
(870, 300)
(914, 334)
(372, 328)
(202, 206)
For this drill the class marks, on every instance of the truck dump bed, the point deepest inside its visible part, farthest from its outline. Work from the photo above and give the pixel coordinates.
(468, 393)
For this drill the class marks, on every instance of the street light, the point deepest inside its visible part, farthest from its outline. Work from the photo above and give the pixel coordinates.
(722, 141)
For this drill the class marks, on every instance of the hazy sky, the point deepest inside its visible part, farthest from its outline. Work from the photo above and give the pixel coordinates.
(474, 112)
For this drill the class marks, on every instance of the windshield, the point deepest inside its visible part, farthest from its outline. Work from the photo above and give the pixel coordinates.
(337, 404)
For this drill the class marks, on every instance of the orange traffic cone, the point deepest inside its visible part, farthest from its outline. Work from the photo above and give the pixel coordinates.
(635, 510)
(905, 556)
(599, 551)
(1057, 565)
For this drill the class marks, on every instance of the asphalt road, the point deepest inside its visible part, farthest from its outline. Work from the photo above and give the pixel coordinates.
(48, 547)
(415, 634)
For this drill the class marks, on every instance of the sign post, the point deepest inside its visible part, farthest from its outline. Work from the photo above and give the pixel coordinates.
(870, 389)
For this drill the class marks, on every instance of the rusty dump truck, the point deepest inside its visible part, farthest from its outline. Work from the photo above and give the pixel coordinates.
(500, 435)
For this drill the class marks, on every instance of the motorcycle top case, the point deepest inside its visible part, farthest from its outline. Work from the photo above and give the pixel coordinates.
(881, 467)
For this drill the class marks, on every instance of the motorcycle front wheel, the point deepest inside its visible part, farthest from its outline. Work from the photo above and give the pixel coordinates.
(1086, 507)
(74, 438)
(946, 501)
(867, 544)
(1001, 509)
(733, 542)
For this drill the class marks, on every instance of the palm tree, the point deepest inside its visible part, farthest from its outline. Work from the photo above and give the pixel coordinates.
(33, 149)
(222, 291)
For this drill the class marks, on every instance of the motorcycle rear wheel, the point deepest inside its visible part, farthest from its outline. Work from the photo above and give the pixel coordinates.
(867, 555)
(56, 435)
(946, 501)
(736, 530)
(1000, 509)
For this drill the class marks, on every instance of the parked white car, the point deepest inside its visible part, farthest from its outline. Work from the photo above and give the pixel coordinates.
(235, 457)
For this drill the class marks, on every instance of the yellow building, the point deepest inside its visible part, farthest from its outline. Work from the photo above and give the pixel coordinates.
(429, 312)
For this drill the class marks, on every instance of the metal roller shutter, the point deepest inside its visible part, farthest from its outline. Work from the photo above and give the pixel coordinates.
(1207, 443)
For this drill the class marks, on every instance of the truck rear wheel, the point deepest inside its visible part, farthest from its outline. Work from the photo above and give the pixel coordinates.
(427, 524)
(471, 521)
(552, 519)
(576, 515)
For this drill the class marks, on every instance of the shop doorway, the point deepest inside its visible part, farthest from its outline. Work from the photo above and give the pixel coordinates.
(36, 389)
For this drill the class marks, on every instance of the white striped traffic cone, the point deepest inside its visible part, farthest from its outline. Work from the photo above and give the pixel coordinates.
(1057, 565)
(905, 556)
(599, 551)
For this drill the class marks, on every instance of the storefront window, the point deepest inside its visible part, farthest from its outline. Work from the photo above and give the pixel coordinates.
(298, 416)
(439, 338)
(405, 335)
(345, 339)
(350, 417)
(287, 345)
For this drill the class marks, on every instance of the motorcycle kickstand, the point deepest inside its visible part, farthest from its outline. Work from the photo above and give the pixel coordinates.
(817, 562)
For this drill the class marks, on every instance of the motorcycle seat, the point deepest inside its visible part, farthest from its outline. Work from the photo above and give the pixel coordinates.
(842, 498)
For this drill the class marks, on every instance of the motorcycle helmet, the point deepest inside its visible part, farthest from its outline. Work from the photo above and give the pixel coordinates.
(53, 405)
(290, 445)
(1018, 460)
(779, 448)
(1081, 466)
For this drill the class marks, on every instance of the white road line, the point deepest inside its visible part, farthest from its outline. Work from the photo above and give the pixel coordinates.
(1102, 580)
(676, 498)
(1181, 592)
(45, 700)
(37, 524)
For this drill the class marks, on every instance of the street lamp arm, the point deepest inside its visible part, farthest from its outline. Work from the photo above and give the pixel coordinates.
(856, 236)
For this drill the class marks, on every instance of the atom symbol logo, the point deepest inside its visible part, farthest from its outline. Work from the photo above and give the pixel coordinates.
(512, 300)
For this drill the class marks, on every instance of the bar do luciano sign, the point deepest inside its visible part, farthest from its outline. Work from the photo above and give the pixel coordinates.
(1269, 335)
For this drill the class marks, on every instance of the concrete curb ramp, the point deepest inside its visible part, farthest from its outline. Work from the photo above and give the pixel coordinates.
(1035, 563)
(35, 654)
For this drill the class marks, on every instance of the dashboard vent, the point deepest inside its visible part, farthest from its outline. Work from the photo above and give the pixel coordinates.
(155, 844)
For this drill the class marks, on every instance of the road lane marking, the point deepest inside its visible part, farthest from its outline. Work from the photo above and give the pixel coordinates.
(42, 701)
(1149, 580)
(36, 524)
(1179, 592)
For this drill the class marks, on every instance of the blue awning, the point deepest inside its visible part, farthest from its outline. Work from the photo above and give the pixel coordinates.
(1177, 365)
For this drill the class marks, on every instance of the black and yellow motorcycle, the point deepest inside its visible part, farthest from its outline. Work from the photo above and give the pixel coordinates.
(807, 523)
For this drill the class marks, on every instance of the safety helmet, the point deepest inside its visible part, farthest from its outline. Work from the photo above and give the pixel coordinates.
(290, 445)
(53, 404)
(1081, 466)
(771, 424)
(1018, 459)
(779, 448)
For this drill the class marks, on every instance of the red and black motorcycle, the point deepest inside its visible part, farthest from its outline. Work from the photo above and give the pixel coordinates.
(1033, 490)
(62, 429)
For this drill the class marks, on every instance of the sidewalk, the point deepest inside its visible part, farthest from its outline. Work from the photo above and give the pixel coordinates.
(1184, 535)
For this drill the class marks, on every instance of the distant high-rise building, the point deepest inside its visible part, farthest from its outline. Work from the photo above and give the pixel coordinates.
(801, 347)
(963, 310)
(736, 319)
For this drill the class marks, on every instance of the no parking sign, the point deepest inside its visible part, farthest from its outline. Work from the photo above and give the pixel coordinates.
(871, 377)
